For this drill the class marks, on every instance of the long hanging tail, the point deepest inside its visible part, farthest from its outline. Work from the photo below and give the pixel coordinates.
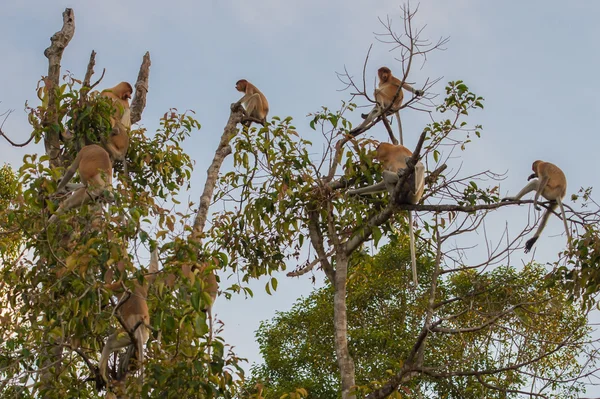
(210, 329)
(139, 337)
(399, 127)
(564, 218)
(413, 257)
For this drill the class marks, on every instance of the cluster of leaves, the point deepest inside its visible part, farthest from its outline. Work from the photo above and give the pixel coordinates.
(385, 316)
(10, 238)
(266, 231)
(277, 183)
(55, 305)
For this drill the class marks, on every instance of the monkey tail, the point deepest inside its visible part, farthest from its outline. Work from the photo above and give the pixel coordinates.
(397, 113)
(210, 329)
(413, 257)
(139, 337)
(564, 218)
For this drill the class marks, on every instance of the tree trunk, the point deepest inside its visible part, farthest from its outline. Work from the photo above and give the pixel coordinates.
(340, 321)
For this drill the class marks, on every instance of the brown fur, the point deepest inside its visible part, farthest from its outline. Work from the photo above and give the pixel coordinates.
(120, 121)
(133, 310)
(95, 172)
(254, 101)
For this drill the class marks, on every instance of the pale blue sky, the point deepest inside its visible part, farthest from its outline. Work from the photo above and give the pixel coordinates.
(535, 62)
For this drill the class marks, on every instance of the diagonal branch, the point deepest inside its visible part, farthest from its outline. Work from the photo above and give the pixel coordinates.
(59, 42)
(223, 150)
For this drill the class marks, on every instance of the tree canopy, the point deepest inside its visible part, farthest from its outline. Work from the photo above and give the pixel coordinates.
(469, 329)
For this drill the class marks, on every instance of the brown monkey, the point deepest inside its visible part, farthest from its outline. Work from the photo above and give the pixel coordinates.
(133, 309)
(551, 183)
(384, 94)
(95, 172)
(394, 159)
(254, 101)
(120, 120)
(210, 285)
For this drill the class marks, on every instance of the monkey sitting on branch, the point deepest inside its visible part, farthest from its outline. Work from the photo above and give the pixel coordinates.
(549, 181)
(95, 173)
(389, 96)
(256, 106)
(135, 317)
(394, 159)
(120, 121)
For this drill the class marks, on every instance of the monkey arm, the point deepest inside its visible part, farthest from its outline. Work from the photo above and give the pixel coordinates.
(540, 188)
(416, 92)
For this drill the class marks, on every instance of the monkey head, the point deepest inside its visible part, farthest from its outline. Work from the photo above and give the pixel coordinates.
(534, 167)
(241, 84)
(384, 74)
(123, 90)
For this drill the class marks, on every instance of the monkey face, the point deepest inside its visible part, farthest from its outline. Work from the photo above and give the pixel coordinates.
(384, 74)
(240, 85)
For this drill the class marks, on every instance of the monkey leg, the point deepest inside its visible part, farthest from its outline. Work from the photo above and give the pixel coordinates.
(390, 179)
(529, 244)
(531, 186)
(375, 188)
(115, 342)
(540, 188)
(371, 116)
(79, 197)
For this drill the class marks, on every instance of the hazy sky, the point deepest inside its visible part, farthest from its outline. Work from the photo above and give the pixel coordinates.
(534, 62)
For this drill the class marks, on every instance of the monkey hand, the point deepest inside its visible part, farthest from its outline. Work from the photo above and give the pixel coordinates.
(419, 93)
(235, 106)
(537, 207)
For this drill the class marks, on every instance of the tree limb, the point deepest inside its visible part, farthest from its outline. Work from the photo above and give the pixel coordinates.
(141, 90)
(223, 150)
(59, 42)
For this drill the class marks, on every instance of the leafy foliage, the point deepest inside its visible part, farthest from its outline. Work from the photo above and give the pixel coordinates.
(55, 306)
(385, 316)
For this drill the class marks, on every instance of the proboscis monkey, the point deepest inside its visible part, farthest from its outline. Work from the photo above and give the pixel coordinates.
(211, 286)
(254, 102)
(551, 183)
(394, 159)
(133, 309)
(120, 120)
(384, 94)
(95, 172)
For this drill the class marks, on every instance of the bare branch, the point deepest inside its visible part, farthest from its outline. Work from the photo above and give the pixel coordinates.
(59, 42)
(7, 114)
(85, 87)
(141, 90)
(223, 150)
